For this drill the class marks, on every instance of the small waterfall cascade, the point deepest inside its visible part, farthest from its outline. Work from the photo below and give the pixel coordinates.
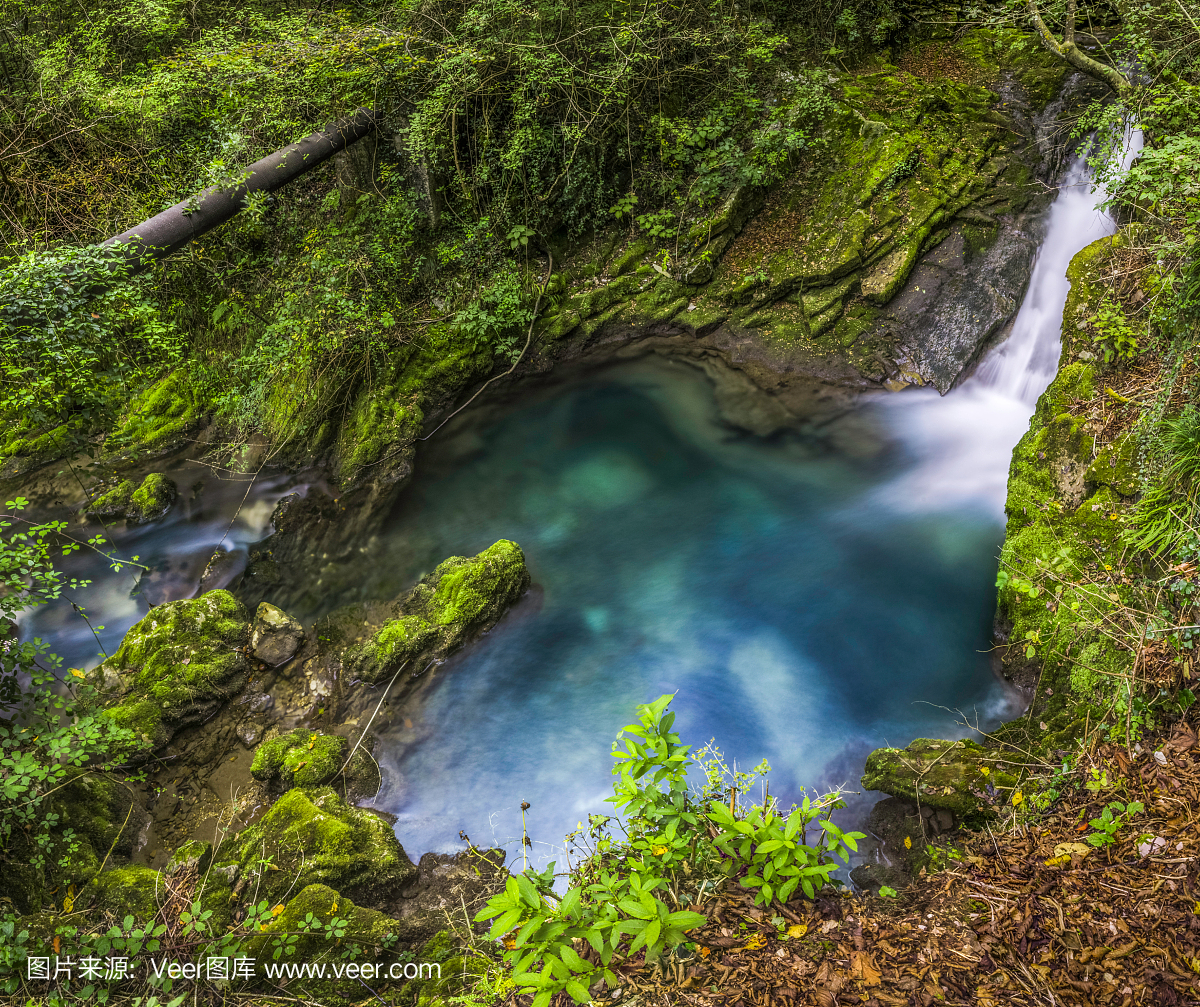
(962, 442)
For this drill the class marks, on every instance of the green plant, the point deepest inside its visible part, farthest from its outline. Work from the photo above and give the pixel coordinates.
(76, 337)
(52, 729)
(1113, 335)
(499, 316)
(624, 897)
(1167, 514)
(1113, 818)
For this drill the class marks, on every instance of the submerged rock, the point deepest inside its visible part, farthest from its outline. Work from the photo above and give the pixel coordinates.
(137, 504)
(275, 636)
(178, 665)
(463, 597)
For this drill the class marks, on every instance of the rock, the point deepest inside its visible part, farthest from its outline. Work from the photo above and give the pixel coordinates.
(309, 759)
(275, 636)
(460, 599)
(193, 856)
(872, 877)
(124, 891)
(1116, 466)
(140, 504)
(938, 775)
(178, 665)
(366, 928)
(312, 836)
(457, 884)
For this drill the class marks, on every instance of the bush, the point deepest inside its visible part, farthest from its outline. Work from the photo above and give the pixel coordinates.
(626, 896)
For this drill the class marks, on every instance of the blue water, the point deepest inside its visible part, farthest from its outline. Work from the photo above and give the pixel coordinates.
(766, 580)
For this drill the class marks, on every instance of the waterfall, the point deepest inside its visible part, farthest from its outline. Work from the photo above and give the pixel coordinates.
(961, 443)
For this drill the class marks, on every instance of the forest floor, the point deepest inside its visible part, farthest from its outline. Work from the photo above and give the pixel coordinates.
(1029, 916)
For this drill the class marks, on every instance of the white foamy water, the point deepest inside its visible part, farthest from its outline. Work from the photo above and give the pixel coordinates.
(961, 443)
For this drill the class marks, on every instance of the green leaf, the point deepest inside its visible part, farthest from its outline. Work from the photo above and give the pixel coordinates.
(572, 960)
(529, 894)
(686, 919)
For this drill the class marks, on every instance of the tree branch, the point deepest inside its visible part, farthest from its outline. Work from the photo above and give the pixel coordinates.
(1067, 50)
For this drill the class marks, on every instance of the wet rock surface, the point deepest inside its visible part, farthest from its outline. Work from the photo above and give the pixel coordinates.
(275, 636)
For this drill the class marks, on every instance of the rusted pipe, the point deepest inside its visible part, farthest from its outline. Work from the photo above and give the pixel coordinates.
(172, 229)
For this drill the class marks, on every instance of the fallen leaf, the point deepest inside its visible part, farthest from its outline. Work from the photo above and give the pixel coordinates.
(797, 930)
(863, 969)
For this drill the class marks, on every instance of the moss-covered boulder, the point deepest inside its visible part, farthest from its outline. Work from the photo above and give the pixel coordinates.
(463, 597)
(320, 904)
(178, 665)
(312, 836)
(138, 504)
(306, 758)
(943, 775)
(455, 970)
(124, 891)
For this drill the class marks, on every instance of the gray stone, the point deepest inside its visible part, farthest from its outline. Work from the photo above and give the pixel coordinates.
(276, 636)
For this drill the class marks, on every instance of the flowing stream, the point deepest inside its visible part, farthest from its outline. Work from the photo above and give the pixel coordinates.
(808, 598)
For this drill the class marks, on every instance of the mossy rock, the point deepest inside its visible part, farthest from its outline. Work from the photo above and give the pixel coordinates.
(124, 891)
(1116, 466)
(306, 758)
(193, 857)
(312, 836)
(366, 928)
(463, 597)
(178, 665)
(458, 971)
(160, 414)
(933, 773)
(139, 504)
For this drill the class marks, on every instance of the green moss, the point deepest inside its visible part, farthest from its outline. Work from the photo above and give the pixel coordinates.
(139, 504)
(95, 808)
(179, 663)
(629, 259)
(124, 891)
(159, 415)
(458, 972)
(1066, 510)
(115, 503)
(299, 759)
(1116, 466)
(193, 856)
(314, 837)
(934, 773)
(365, 928)
(462, 597)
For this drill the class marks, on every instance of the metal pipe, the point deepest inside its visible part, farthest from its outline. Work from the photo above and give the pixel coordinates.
(176, 226)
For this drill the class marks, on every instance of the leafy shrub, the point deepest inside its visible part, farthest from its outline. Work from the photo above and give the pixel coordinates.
(1113, 335)
(76, 336)
(51, 726)
(626, 896)
(498, 319)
